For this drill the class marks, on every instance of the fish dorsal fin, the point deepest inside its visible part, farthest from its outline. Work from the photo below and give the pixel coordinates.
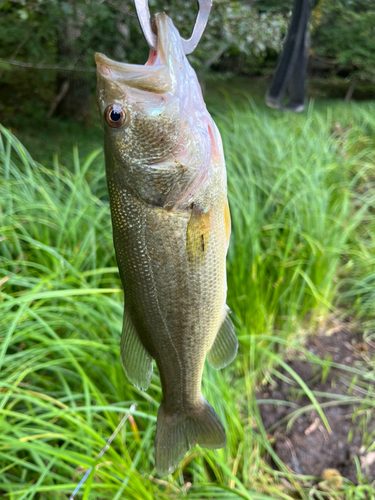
(224, 348)
(136, 361)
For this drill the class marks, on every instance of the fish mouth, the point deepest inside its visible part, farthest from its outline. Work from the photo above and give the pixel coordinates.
(156, 74)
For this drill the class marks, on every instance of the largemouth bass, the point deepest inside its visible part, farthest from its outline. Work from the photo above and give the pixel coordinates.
(171, 226)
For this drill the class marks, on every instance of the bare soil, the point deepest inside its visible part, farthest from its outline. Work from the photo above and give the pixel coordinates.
(307, 447)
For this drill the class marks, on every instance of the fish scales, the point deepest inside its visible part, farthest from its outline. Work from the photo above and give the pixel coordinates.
(152, 298)
(167, 188)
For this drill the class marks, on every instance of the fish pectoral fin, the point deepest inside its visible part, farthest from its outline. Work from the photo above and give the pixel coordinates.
(198, 235)
(135, 359)
(224, 348)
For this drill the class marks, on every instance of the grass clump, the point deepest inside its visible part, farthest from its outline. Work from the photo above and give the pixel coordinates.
(299, 203)
(295, 211)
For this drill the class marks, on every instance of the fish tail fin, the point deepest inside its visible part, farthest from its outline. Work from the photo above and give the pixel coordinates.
(176, 433)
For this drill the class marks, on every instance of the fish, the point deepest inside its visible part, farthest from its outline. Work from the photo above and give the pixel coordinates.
(167, 188)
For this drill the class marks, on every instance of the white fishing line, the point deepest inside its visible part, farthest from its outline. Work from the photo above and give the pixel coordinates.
(107, 445)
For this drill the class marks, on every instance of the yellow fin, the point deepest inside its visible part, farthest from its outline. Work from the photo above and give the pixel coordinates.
(227, 223)
(198, 235)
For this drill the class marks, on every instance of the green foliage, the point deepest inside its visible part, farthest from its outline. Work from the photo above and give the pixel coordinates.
(299, 206)
(344, 30)
(113, 28)
(294, 219)
(284, 6)
(241, 36)
(66, 34)
(234, 28)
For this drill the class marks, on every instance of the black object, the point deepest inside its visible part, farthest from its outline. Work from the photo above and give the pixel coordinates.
(115, 116)
(291, 71)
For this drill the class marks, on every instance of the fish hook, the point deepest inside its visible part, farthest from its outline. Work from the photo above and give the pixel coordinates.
(189, 45)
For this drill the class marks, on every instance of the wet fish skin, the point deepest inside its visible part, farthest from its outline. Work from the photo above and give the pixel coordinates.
(171, 225)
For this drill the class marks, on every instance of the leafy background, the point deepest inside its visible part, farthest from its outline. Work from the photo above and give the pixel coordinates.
(45, 44)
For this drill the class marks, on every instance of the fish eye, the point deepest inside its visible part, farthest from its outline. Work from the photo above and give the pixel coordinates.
(115, 116)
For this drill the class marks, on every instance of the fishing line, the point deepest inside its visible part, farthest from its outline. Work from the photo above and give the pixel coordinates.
(107, 445)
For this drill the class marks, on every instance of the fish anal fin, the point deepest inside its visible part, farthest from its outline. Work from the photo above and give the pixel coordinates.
(224, 348)
(135, 359)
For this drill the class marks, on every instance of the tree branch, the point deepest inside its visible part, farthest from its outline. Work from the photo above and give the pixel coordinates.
(20, 45)
(64, 89)
(324, 59)
(46, 66)
(351, 89)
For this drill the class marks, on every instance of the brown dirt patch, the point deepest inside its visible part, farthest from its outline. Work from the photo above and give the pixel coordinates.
(306, 446)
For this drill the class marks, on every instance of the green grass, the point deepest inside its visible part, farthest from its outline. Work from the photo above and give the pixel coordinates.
(297, 209)
(302, 249)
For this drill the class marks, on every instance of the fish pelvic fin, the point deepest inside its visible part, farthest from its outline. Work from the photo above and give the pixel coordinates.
(225, 346)
(176, 433)
(135, 359)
